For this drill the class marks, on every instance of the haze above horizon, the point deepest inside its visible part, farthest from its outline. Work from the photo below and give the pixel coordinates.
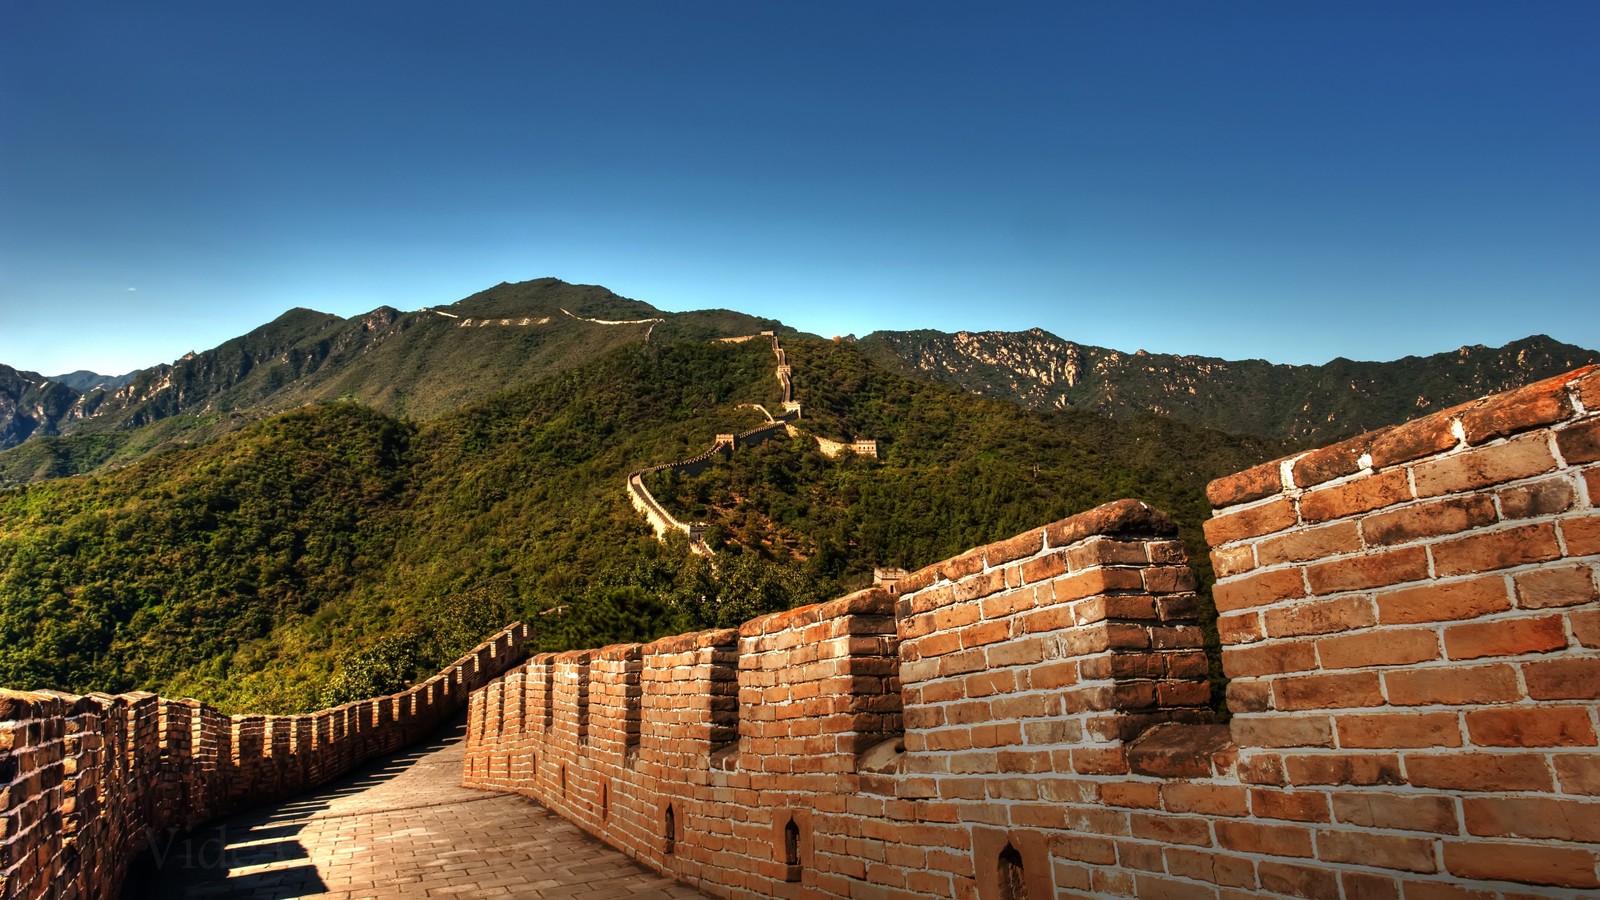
(1244, 180)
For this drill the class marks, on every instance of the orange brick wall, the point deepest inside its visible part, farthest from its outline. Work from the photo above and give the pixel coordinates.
(1409, 620)
(87, 783)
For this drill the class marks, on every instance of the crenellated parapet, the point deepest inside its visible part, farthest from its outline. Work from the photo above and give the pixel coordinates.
(1410, 621)
(90, 782)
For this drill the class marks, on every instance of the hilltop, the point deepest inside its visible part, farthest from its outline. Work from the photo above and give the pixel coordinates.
(418, 365)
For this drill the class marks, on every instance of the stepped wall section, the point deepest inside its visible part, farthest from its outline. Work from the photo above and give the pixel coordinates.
(88, 783)
(1409, 619)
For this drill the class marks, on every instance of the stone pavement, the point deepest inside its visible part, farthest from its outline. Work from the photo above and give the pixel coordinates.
(404, 828)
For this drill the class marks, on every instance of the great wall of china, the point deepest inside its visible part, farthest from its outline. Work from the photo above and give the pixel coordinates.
(88, 783)
(1409, 620)
(663, 522)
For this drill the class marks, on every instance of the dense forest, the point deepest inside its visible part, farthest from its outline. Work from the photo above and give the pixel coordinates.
(333, 551)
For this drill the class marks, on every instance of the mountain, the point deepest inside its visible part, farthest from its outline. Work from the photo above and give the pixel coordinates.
(84, 380)
(418, 364)
(331, 550)
(1310, 404)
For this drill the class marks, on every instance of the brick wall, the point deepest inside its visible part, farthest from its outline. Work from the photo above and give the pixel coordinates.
(86, 783)
(1409, 620)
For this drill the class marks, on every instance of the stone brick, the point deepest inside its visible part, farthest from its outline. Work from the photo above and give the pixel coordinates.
(1539, 818)
(1563, 679)
(1309, 543)
(1479, 771)
(1544, 726)
(1398, 730)
(1425, 520)
(1320, 617)
(1413, 440)
(1526, 863)
(1250, 522)
(1385, 851)
(1404, 812)
(1492, 550)
(1521, 457)
(1251, 484)
(1335, 691)
(1545, 497)
(1358, 496)
(1259, 589)
(1378, 647)
(1550, 587)
(1541, 403)
(1375, 569)
(1580, 443)
(1443, 601)
(1452, 686)
(1328, 463)
(1505, 637)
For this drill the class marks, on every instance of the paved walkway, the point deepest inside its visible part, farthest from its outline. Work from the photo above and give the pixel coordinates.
(403, 827)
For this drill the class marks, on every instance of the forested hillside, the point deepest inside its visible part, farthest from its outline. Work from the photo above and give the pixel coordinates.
(333, 551)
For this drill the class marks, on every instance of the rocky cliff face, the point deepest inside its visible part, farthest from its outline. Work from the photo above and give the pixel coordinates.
(1314, 403)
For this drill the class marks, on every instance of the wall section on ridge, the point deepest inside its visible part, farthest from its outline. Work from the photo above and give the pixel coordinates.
(88, 783)
(1409, 618)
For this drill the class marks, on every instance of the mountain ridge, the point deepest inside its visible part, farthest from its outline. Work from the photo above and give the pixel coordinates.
(1309, 403)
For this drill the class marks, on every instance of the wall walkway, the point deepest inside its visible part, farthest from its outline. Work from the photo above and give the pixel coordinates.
(88, 783)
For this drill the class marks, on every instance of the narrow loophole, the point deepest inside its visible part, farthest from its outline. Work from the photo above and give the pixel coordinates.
(791, 851)
(1012, 885)
(671, 830)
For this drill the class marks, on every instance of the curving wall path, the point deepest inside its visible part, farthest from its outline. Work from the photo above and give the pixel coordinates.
(87, 783)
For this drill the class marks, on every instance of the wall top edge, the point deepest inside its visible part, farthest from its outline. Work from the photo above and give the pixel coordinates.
(1475, 422)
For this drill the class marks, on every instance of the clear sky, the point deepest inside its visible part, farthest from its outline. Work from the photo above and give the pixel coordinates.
(1280, 180)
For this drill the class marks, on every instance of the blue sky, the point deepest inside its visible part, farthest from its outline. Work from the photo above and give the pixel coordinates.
(1232, 179)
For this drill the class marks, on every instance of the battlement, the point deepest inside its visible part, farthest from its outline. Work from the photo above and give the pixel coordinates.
(1410, 620)
(89, 782)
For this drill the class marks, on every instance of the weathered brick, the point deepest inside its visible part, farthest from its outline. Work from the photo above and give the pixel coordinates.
(1370, 570)
(1378, 647)
(1424, 520)
(1549, 587)
(1298, 806)
(1492, 550)
(1521, 457)
(1282, 731)
(1398, 730)
(1444, 601)
(1358, 496)
(1405, 812)
(1272, 840)
(1563, 679)
(1270, 659)
(1543, 726)
(1505, 637)
(1384, 851)
(1532, 817)
(1336, 691)
(1452, 685)
(1526, 863)
(1545, 497)
(1541, 403)
(1320, 617)
(1258, 589)
(1251, 484)
(1413, 440)
(1580, 443)
(1479, 771)
(1309, 882)
(1582, 535)
(1328, 463)
(1364, 768)
(1309, 543)
(1250, 522)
